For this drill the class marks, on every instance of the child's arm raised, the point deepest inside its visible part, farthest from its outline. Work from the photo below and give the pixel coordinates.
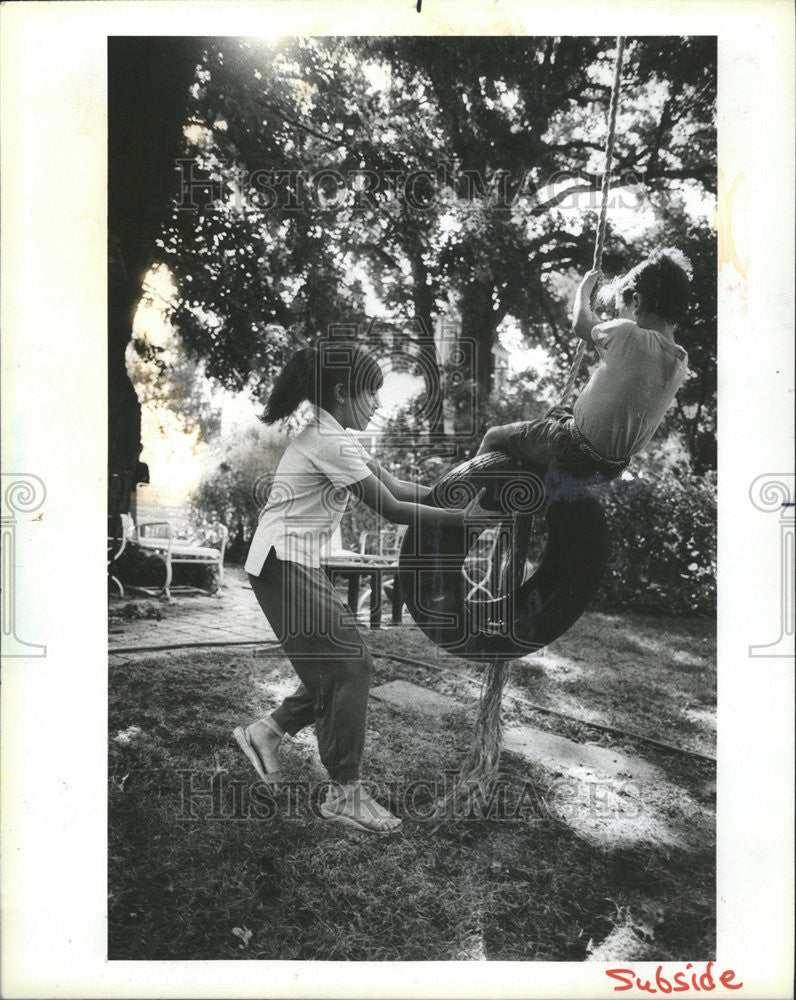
(583, 319)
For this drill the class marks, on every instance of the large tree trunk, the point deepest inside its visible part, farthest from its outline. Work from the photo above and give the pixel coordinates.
(148, 90)
(124, 410)
(479, 327)
(424, 305)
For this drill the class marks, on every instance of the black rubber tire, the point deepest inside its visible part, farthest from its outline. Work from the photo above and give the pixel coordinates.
(547, 603)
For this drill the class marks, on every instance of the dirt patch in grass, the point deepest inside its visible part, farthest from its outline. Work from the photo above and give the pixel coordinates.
(203, 864)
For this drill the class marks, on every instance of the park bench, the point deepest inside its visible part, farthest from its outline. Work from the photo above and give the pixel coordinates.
(161, 524)
(377, 560)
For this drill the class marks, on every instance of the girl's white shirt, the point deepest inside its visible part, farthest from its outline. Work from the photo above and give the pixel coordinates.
(309, 493)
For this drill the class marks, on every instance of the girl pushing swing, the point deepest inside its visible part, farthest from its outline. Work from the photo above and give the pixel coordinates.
(321, 467)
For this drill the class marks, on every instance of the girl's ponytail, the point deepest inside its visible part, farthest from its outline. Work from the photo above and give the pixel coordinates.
(313, 374)
(296, 382)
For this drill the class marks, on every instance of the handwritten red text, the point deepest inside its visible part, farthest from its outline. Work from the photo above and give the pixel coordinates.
(682, 981)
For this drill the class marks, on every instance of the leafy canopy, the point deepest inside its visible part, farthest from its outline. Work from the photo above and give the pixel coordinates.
(329, 179)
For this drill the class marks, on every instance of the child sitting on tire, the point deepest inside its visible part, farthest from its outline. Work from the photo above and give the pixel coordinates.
(640, 371)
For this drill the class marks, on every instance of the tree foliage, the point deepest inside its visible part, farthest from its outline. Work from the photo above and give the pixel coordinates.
(234, 488)
(435, 174)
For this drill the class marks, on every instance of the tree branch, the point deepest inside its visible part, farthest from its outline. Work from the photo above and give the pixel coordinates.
(557, 199)
(663, 126)
(328, 139)
(379, 252)
(574, 144)
(593, 183)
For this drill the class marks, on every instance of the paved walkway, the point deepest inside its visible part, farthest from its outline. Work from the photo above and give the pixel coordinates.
(230, 615)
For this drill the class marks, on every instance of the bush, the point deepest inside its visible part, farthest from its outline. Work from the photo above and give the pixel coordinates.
(235, 489)
(663, 546)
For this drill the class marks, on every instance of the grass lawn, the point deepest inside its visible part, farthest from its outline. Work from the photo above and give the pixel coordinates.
(204, 865)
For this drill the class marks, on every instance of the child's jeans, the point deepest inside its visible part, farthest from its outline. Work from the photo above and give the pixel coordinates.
(555, 436)
(328, 652)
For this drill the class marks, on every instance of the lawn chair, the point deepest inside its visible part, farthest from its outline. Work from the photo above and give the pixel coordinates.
(116, 544)
(163, 527)
(380, 547)
(382, 544)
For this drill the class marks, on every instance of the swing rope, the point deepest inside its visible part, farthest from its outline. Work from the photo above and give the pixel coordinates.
(606, 183)
(480, 768)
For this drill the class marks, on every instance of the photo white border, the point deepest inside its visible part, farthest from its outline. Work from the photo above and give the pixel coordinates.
(54, 708)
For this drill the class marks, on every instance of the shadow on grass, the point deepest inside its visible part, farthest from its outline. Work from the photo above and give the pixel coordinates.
(204, 865)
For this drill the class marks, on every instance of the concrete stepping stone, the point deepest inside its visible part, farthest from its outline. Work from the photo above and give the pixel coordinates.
(575, 760)
(556, 753)
(608, 797)
(405, 696)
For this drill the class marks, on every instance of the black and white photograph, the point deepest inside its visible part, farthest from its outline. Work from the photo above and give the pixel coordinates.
(412, 444)
(406, 427)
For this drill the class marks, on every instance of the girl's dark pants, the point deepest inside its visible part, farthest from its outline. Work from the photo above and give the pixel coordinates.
(328, 652)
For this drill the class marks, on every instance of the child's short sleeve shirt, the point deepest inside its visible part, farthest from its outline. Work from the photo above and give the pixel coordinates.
(632, 386)
(308, 495)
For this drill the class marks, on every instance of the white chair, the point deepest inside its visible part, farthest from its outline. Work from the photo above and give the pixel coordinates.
(380, 547)
(162, 527)
(116, 545)
(347, 562)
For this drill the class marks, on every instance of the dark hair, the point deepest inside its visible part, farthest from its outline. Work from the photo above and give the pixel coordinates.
(663, 281)
(313, 372)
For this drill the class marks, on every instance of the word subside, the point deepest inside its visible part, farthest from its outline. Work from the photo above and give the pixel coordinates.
(686, 981)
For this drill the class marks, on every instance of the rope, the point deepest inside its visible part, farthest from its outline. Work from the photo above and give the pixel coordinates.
(482, 762)
(481, 766)
(606, 183)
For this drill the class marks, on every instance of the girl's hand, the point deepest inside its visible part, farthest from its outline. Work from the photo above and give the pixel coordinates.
(590, 279)
(475, 512)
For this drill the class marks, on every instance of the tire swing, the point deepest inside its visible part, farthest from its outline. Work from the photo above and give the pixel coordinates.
(522, 603)
(538, 598)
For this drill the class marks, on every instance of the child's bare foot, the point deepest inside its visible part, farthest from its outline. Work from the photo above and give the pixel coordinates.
(353, 806)
(260, 742)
